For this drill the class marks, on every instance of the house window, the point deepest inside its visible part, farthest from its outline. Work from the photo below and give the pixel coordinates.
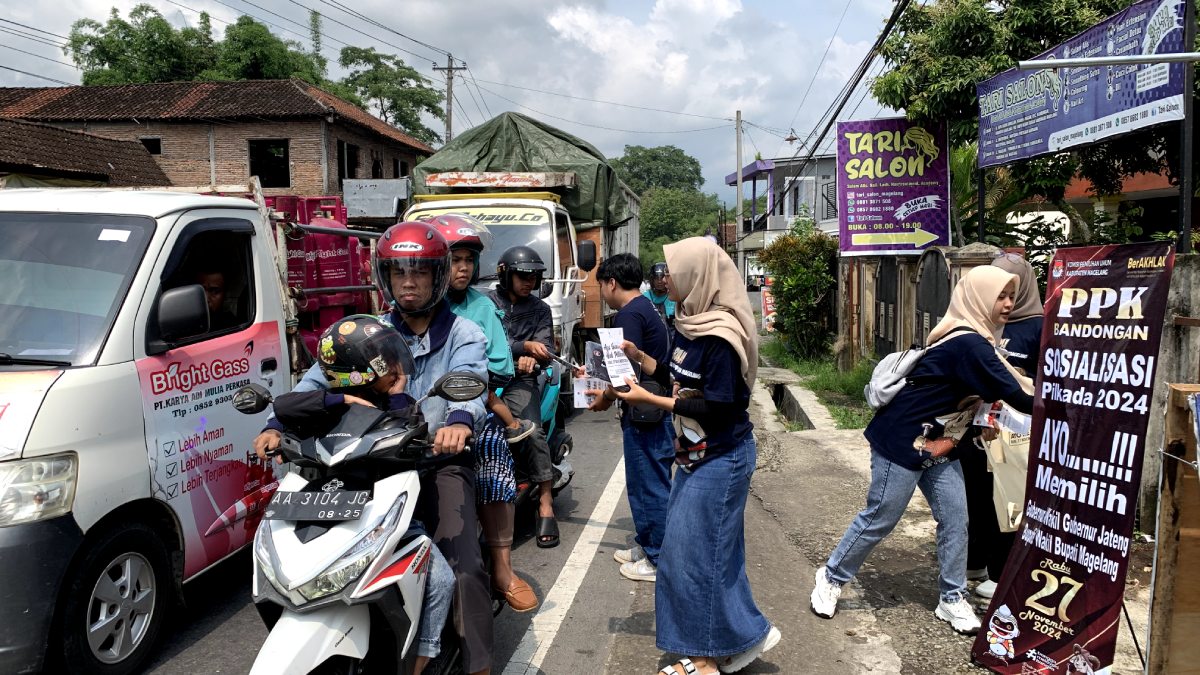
(269, 161)
(152, 145)
(395, 168)
(403, 169)
(347, 161)
(377, 169)
(829, 201)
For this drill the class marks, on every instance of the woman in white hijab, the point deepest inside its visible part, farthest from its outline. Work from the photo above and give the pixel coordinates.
(704, 609)
(912, 446)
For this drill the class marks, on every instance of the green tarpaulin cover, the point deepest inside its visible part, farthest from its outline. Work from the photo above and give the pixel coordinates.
(515, 142)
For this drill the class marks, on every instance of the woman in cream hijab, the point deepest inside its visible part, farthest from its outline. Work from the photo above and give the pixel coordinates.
(988, 547)
(704, 609)
(911, 445)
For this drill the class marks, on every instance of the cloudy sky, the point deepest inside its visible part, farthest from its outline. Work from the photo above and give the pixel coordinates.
(705, 58)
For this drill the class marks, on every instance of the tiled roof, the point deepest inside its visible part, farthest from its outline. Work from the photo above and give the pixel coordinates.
(244, 99)
(37, 146)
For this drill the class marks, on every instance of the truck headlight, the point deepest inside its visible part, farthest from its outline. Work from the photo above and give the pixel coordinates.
(356, 560)
(37, 489)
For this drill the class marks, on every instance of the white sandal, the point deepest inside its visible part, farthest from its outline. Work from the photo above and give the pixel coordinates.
(689, 668)
(736, 662)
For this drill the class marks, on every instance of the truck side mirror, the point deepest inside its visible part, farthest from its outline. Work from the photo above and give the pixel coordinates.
(587, 255)
(182, 313)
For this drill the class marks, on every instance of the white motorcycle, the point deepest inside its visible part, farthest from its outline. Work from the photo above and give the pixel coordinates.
(335, 578)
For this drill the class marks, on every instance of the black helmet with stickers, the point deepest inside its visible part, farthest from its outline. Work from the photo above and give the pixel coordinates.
(360, 349)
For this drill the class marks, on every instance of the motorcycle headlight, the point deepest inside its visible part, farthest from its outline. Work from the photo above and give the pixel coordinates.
(37, 489)
(356, 560)
(264, 555)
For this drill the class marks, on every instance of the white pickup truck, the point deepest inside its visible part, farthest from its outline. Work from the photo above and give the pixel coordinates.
(124, 472)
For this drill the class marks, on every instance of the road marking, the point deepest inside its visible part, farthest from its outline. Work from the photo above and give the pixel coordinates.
(538, 638)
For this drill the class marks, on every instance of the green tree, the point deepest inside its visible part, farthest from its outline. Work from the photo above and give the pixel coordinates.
(803, 265)
(941, 49)
(251, 51)
(671, 214)
(665, 166)
(398, 94)
(143, 48)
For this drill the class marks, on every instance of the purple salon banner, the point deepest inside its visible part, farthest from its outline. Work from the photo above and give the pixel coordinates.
(1026, 113)
(893, 187)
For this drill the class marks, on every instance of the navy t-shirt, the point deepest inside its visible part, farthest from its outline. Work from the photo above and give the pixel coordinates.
(966, 365)
(711, 365)
(1022, 340)
(641, 325)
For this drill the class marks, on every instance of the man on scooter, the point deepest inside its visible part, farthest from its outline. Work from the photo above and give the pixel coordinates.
(412, 270)
(495, 485)
(530, 328)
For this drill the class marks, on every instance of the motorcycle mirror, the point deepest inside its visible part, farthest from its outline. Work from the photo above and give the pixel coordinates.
(458, 386)
(252, 399)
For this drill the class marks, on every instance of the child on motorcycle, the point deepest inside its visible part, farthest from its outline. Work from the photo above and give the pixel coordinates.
(366, 362)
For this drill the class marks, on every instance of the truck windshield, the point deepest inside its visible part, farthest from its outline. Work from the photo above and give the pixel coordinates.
(65, 277)
(510, 226)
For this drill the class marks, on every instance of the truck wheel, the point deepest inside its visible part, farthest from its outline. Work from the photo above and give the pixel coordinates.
(116, 603)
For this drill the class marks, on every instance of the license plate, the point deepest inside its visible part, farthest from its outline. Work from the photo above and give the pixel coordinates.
(317, 505)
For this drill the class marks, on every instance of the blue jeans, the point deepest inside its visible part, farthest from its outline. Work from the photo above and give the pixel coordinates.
(649, 456)
(702, 600)
(439, 593)
(891, 489)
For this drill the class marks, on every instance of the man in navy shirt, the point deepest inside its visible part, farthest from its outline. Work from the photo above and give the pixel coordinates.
(649, 445)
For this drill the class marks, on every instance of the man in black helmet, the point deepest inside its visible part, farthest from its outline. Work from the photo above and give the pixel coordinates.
(530, 328)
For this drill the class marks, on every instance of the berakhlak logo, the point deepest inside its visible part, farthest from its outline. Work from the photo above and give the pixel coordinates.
(1059, 267)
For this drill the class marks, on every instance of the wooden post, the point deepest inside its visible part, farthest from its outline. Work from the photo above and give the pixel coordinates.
(1175, 605)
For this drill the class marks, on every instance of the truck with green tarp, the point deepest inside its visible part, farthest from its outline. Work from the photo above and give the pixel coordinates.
(535, 185)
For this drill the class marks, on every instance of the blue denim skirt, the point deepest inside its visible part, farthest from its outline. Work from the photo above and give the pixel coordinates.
(702, 600)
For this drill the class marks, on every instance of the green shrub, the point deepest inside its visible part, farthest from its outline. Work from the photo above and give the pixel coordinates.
(803, 266)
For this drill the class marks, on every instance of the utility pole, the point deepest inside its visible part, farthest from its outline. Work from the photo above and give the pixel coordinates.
(738, 208)
(1187, 184)
(450, 70)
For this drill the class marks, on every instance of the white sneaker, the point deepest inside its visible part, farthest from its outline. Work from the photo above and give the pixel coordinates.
(626, 555)
(642, 570)
(977, 575)
(959, 615)
(986, 589)
(736, 662)
(825, 595)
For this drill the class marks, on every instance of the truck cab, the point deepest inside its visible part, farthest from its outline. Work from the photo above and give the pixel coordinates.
(127, 321)
(537, 220)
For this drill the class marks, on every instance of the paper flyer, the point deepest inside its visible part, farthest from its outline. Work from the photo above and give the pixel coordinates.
(615, 361)
(582, 385)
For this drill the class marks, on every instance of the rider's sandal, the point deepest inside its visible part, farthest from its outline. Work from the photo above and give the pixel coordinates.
(547, 532)
(683, 666)
(520, 596)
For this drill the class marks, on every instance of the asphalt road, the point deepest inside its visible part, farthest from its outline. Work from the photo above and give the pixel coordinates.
(219, 631)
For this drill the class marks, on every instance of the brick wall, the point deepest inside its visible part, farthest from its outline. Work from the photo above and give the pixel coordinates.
(370, 149)
(185, 150)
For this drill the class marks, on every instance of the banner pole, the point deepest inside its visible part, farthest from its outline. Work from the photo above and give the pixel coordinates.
(979, 176)
(1186, 137)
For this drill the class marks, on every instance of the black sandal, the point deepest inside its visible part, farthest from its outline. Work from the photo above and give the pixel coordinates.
(548, 528)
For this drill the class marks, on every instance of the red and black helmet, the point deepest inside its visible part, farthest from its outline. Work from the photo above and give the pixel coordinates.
(407, 254)
(464, 232)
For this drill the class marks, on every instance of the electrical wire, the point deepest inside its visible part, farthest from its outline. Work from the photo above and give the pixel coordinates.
(32, 38)
(474, 100)
(481, 97)
(595, 100)
(44, 58)
(39, 30)
(597, 126)
(364, 17)
(820, 63)
(42, 77)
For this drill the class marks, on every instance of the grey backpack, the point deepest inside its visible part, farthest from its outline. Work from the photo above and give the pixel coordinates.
(891, 373)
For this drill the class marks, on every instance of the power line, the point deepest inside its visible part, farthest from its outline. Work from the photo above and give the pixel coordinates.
(39, 30)
(597, 126)
(44, 58)
(817, 70)
(32, 38)
(463, 111)
(473, 98)
(363, 17)
(177, 4)
(481, 97)
(595, 100)
(42, 77)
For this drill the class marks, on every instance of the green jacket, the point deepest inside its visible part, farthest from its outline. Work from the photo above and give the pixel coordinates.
(480, 310)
